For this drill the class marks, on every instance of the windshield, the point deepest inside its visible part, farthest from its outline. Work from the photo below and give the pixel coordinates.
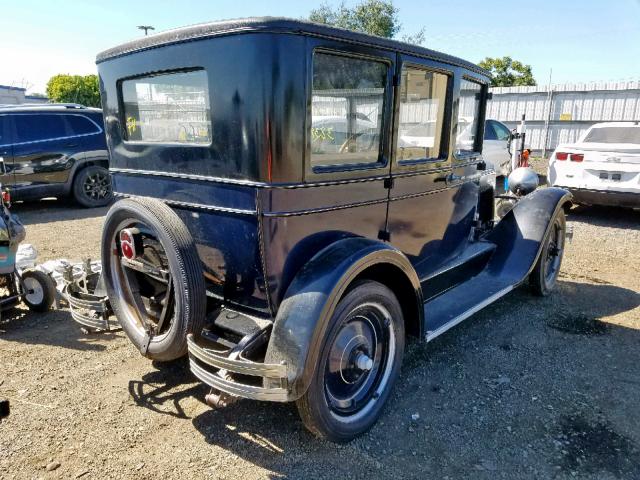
(614, 135)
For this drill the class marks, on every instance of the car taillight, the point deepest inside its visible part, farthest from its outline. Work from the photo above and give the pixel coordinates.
(561, 155)
(130, 243)
(6, 197)
(577, 157)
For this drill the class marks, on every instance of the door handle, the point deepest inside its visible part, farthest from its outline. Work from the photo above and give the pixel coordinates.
(452, 178)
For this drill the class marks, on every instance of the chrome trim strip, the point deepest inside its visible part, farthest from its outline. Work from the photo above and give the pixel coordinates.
(198, 206)
(452, 323)
(280, 186)
(243, 367)
(241, 390)
(311, 211)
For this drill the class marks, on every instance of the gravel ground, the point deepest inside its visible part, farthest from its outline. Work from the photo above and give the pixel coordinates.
(527, 388)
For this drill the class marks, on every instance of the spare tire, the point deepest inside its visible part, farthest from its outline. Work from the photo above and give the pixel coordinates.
(157, 290)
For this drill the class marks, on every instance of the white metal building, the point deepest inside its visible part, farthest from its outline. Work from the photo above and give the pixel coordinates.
(562, 113)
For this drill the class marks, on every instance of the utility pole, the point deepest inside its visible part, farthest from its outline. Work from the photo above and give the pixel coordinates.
(146, 29)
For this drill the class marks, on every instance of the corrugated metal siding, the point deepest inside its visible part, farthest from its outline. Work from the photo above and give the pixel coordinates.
(569, 109)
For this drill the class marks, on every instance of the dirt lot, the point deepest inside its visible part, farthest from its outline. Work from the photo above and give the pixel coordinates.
(528, 388)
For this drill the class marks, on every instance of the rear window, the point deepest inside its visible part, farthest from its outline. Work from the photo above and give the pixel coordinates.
(614, 135)
(468, 114)
(39, 127)
(168, 108)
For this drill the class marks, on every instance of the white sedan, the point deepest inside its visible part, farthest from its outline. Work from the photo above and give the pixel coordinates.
(603, 167)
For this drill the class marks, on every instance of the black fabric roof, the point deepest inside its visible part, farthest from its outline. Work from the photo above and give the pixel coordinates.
(275, 24)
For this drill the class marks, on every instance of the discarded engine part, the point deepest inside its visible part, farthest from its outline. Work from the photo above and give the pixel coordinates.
(218, 399)
(87, 298)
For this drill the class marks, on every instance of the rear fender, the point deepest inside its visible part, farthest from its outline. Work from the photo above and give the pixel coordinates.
(303, 317)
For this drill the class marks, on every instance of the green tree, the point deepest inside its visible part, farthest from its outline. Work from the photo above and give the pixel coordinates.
(65, 88)
(375, 17)
(507, 72)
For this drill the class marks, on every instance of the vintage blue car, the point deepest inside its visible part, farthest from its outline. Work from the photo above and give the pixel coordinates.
(296, 201)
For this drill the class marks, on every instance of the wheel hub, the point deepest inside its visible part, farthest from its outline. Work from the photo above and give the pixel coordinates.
(357, 360)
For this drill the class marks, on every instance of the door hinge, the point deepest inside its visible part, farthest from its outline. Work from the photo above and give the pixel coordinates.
(388, 183)
(384, 235)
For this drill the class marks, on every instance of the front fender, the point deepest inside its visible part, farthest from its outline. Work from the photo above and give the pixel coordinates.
(520, 235)
(303, 317)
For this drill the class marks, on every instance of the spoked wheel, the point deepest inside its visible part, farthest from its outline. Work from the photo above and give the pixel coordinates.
(545, 274)
(359, 363)
(153, 277)
(92, 186)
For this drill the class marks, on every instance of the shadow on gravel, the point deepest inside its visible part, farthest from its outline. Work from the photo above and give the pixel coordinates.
(527, 388)
(55, 328)
(624, 218)
(53, 210)
(160, 392)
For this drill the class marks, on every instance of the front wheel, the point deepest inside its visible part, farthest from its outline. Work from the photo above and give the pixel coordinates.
(545, 274)
(359, 363)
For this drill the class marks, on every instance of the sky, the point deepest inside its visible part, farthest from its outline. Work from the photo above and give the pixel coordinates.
(578, 41)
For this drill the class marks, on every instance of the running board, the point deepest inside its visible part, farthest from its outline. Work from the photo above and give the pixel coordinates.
(453, 306)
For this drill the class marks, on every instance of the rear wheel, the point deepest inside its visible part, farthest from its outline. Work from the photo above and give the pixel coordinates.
(358, 366)
(154, 279)
(545, 274)
(92, 186)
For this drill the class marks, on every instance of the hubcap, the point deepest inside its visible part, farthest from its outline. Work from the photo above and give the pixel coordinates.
(34, 291)
(359, 360)
(97, 186)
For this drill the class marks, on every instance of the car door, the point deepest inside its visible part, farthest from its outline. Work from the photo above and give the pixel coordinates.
(434, 193)
(44, 149)
(495, 149)
(421, 202)
(6, 152)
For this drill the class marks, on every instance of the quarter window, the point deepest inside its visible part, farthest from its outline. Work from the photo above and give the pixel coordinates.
(468, 114)
(346, 110)
(422, 103)
(81, 125)
(34, 128)
(168, 108)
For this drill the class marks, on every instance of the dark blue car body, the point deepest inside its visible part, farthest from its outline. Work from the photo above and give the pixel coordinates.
(282, 238)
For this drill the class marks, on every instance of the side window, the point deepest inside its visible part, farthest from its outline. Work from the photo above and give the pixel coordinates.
(422, 103)
(346, 110)
(502, 132)
(80, 125)
(468, 113)
(489, 131)
(33, 128)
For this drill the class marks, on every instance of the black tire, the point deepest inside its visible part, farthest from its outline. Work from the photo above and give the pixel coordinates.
(545, 274)
(92, 187)
(189, 295)
(342, 418)
(39, 290)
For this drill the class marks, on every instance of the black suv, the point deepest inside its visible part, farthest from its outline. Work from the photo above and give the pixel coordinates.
(54, 150)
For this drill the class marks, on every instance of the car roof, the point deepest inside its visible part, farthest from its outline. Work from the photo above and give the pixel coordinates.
(48, 107)
(615, 124)
(276, 25)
